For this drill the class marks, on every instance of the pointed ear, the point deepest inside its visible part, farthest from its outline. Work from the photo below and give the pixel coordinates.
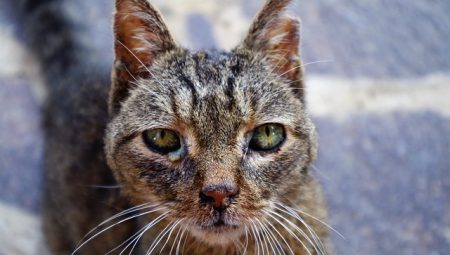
(140, 38)
(277, 37)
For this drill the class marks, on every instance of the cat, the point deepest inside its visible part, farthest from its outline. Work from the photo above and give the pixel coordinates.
(205, 152)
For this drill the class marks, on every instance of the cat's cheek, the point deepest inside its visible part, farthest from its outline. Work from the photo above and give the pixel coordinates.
(273, 175)
(143, 178)
(271, 166)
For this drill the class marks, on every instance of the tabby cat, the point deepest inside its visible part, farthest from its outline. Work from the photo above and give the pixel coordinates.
(207, 152)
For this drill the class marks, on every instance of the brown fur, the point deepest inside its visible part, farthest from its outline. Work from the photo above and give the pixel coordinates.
(213, 100)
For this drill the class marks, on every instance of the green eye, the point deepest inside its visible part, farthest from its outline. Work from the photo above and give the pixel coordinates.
(267, 137)
(162, 141)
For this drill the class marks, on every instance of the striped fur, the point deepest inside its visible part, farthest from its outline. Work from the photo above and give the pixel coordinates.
(214, 100)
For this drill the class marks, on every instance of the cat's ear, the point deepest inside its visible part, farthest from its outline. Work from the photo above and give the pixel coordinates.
(277, 37)
(140, 37)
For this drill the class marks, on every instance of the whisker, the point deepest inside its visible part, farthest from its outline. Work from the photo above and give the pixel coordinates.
(262, 240)
(185, 238)
(129, 73)
(140, 236)
(300, 66)
(280, 235)
(105, 186)
(269, 213)
(136, 237)
(140, 61)
(131, 238)
(170, 234)
(115, 224)
(277, 243)
(320, 221)
(238, 246)
(179, 242)
(158, 238)
(320, 172)
(255, 238)
(268, 240)
(246, 241)
(134, 55)
(315, 244)
(295, 81)
(278, 64)
(318, 62)
(175, 240)
(115, 216)
(292, 213)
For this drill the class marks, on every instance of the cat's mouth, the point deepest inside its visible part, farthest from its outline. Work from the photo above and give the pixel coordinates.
(220, 226)
(219, 231)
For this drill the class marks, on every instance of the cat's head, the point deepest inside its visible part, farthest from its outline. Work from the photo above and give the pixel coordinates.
(216, 137)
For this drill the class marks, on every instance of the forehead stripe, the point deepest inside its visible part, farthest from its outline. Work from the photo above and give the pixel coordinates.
(229, 91)
(190, 85)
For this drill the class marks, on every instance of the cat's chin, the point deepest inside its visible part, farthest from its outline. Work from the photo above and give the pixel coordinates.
(217, 235)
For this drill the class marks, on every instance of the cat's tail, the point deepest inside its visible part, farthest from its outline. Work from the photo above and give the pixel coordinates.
(48, 33)
(64, 35)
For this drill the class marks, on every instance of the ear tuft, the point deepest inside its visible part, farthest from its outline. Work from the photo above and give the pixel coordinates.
(140, 38)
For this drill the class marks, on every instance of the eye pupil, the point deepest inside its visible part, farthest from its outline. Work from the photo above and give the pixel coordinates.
(267, 131)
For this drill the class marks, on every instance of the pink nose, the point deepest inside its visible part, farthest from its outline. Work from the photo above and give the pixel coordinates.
(219, 196)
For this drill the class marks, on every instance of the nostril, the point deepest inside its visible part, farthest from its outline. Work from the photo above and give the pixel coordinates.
(205, 198)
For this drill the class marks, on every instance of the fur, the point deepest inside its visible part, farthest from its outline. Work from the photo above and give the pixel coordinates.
(213, 100)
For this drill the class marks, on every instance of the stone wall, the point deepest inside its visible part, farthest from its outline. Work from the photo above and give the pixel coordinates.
(378, 77)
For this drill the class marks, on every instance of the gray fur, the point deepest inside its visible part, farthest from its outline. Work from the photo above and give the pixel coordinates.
(213, 100)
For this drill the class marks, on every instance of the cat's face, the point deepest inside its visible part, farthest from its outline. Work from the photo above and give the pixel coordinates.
(215, 138)
(230, 126)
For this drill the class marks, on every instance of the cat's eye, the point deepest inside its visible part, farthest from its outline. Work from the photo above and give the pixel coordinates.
(163, 141)
(267, 137)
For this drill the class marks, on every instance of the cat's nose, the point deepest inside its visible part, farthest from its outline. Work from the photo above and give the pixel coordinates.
(219, 196)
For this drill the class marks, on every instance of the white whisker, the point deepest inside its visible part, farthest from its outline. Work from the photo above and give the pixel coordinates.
(261, 241)
(246, 241)
(115, 216)
(131, 238)
(238, 245)
(320, 221)
(134, 55)
(179, 242)
(158, 238)
(105, 186)
(175, 240)
(302, 233)
(255, 238)
(300, 66)
(269, 213)
(115, 224)
(320, 172)
(261, 238)
(170, 234)
(185, 238)
(268, 240)
(129, 73)
(292, 213)
(137, 236)
(280, 235)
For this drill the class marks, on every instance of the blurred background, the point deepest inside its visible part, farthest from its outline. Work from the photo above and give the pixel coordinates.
(378, 80)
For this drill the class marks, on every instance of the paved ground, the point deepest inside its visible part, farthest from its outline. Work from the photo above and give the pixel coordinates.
(381, 105)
